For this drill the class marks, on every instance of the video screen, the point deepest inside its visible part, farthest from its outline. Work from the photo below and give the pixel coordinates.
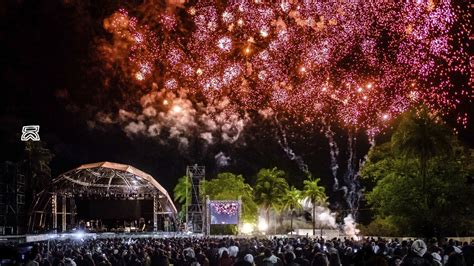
(224, 212)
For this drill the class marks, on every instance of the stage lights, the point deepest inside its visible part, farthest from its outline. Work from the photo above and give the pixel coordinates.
(248, 228)
(262, 225)
(79, 235)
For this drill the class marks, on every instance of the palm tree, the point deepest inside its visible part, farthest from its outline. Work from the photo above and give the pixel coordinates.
(420, 135)
(270, 189)
(316, 194)
(182, 193)
(292, 202)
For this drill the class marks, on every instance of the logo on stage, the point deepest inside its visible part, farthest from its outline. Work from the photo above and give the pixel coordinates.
(30, 133)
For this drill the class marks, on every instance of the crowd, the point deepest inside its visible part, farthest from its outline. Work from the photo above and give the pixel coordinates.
(252, 251)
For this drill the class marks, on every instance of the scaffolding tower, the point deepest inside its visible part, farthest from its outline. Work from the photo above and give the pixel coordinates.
(195, 211)
(12, 199)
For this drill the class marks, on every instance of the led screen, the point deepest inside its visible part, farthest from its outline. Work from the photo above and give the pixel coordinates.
(224, 212)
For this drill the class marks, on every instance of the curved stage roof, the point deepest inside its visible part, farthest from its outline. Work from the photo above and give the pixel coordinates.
(106, 178)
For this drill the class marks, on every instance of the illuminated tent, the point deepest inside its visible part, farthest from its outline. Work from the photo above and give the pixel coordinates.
(97, 180)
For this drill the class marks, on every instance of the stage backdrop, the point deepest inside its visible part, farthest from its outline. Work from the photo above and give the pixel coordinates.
(224, 212)
(107, 209)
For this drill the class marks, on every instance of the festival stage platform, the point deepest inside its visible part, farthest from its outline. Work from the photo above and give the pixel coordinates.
(81, 235)
(84, 235)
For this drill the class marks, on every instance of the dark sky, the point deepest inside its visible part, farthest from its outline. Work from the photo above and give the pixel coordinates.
(46, 47)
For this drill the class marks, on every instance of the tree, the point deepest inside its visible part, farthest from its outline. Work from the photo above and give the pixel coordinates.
(182, 193)
(229, 186)
(420, 135)
(270, 189)
(380, 227)
(292, 202)
(441, 206)
(316, 194)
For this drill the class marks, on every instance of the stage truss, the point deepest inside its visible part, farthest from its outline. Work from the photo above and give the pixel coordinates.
(195, 212)
(98, 180)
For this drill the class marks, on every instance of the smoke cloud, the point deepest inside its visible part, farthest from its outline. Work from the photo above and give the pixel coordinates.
(350, 227)
(324, 216)
(166, 116)
(222, 160)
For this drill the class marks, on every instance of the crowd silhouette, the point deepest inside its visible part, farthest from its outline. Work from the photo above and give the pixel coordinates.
(291, 251)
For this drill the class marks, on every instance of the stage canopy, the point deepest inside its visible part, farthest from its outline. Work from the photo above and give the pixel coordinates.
(98, 180)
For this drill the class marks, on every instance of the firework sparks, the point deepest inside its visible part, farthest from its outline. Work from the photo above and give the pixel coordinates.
(356, 63)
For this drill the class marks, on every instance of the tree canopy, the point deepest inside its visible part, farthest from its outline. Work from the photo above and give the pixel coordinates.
(417, 182)
(420, 136)
(270, 188)
(229, 186)
(292, 202)
(182, 193)
(316, 194)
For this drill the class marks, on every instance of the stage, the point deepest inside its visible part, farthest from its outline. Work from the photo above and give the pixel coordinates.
(82, 235)
(29, 238)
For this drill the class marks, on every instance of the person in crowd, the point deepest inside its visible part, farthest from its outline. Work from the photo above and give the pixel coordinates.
(320, 259)
(260, 255)
(201, 257)
(32, 259)
(246, 260)
(271, 259)
(290, 259)
(300, 258)
(225, 259)
(468, 252)
(436, 259)
(415, 256)
(455, 257)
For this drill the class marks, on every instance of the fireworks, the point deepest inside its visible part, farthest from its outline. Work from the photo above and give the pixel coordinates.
(177, 109)
(357, 63)
(225, 208)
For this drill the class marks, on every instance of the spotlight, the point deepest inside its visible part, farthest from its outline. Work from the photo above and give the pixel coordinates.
(79, 234)
(247, 228)
(262, 225)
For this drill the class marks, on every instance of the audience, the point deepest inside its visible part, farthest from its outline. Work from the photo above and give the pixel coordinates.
(247, 252)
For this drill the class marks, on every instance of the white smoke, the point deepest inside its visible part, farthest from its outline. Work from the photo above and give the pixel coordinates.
(334, 153)
(283, 141)
(166, 115)
(231, 127)
(134, 128)
(327, 218)
(149, 111)
(154, 130)
(324, 216)
(222, 160)
(104, 118)
(207, 136)
(350, 227)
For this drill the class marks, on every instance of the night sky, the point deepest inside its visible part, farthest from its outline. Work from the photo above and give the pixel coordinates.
(47, 78)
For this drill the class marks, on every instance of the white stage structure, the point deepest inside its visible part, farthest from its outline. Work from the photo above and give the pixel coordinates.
(98, 180)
